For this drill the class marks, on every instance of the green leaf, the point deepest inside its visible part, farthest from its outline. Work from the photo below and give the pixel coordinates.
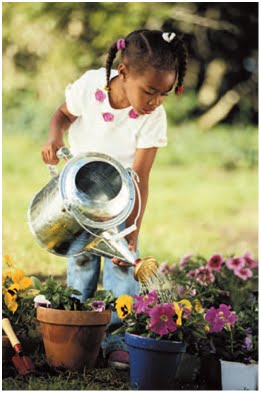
(36, 282)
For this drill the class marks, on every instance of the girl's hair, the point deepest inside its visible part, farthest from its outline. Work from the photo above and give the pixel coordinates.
(144, 48)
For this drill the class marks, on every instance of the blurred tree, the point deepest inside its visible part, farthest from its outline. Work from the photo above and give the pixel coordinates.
(48, 45)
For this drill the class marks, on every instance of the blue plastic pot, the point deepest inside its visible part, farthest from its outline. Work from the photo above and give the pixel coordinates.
(153, 363)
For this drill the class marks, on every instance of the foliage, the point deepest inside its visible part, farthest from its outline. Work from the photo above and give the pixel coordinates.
(17, 296)
(53, 294)
(232, 281)
(48, 45)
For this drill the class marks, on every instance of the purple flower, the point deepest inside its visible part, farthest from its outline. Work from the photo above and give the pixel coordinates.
(100, 95)
(162, 319)
(218, 318)
(247, 343)
(144, 302)
(183, 261)
(249, 260)
(133, 114)
(235, 263)
(215, 262)
(98, 305)
(107, 116)
(243, 273)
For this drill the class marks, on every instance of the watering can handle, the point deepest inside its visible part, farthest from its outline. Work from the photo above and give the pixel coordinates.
(133, 227)
(63, 152)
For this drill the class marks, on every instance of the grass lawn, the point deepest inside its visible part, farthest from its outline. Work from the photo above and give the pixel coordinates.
(194, 207)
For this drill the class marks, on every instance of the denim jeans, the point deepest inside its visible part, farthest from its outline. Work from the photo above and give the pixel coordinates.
(83, 273)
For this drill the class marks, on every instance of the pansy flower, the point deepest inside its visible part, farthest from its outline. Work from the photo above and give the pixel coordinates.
(123, 306)
(19, 278)
(98, 305)
(183, 307)
(10, 298)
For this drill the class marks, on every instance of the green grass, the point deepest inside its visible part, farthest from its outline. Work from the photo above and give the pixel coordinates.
(196, 206)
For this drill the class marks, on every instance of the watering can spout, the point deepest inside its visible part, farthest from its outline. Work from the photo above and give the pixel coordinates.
(107, 244)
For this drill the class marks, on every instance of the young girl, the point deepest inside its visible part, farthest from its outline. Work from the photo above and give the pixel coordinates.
(119, 113)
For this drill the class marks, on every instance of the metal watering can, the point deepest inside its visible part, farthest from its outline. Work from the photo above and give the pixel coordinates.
(81, 208)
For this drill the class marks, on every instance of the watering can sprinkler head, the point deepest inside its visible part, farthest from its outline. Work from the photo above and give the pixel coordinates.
(144, 269)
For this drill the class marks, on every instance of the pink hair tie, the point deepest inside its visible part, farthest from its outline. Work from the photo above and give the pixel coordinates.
(121, 44)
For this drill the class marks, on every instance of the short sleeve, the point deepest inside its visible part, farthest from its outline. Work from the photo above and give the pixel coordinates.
(77, 93)
(154, 131)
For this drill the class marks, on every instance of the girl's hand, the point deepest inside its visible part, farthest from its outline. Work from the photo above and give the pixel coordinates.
(49, 152)
(132, 240)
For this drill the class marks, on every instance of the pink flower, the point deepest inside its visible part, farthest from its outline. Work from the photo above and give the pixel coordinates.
(192, 292)
(162, 319)
(215, 262)
(183, 261)
(243, 273)
(107, 116)
(165, 268)
(144, 302)
(204, 275)
(249, 260)
(181, 291)
(100, 95)
(235, 263)
(133, 114)
(218, 318)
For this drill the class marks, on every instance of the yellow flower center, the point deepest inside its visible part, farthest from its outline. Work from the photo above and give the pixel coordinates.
(164, 318)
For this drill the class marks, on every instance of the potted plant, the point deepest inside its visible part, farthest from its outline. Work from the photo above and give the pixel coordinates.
(72, 331)
(158, 329)
(231, 281)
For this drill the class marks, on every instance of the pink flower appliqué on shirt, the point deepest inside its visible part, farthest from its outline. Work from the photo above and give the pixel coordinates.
(100, 95)
(133, 114)
(107, 116)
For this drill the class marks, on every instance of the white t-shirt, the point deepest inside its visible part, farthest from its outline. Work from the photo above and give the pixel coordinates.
(103, 129)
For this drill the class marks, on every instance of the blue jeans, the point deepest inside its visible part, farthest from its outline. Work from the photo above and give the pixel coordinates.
(83, 273)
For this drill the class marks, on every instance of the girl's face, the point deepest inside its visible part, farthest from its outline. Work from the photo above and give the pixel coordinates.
(146, 91)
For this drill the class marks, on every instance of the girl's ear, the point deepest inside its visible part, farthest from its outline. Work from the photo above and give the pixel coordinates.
(123, 71)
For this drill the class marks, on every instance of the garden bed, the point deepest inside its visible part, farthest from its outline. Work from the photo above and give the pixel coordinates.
(99, 378)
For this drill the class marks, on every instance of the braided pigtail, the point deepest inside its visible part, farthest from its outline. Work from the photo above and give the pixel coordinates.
(182, 58)
(112, 52)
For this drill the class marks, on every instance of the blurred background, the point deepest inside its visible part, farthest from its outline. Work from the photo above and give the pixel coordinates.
(203, 187)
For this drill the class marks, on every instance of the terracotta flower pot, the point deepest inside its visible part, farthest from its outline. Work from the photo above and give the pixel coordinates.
(72, 339)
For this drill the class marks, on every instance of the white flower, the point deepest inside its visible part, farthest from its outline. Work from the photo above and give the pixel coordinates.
(40, 300)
